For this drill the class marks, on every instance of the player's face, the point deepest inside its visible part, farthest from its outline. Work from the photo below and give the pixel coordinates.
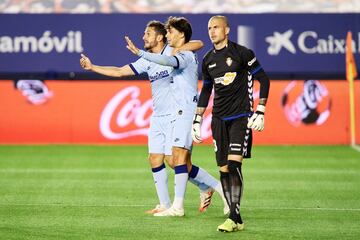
(150, 38)
(173, 37)
(217, 30)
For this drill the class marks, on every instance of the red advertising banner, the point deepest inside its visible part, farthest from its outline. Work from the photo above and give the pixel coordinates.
(118, 112)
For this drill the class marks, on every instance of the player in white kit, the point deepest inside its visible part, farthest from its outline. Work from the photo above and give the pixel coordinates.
(184, 92)
(159, 139)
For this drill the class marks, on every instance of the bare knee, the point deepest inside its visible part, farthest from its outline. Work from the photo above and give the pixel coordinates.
(156, 159)
(169, 160)
(180, 156)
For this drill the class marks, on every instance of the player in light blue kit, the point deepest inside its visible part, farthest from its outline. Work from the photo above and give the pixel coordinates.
(184, 92)
(159, 139)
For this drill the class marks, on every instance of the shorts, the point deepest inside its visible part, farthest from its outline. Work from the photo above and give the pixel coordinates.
(231, 137)
(182, 124)
(160, 132)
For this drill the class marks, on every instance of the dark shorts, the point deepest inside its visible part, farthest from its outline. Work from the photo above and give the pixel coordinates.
(231, 137)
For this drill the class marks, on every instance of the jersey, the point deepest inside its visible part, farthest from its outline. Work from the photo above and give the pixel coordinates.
(185, 82)
(229, 71)
(160, 80)
(183, 90)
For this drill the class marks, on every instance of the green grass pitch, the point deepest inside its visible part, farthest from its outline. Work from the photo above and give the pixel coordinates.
(101, 192)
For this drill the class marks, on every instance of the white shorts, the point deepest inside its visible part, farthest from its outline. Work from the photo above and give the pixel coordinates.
(159, 139)
(181, 135)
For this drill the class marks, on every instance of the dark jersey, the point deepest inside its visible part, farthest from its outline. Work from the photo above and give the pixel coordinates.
(230, 72)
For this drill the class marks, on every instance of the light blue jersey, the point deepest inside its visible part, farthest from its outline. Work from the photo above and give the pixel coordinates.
(160, 80)
(183, 90)
(185, 77)
(160, 132)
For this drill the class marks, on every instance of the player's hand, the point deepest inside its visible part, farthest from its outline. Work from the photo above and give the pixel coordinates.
(85, 62)
(257, 120)
(131, 46)
(195, 130)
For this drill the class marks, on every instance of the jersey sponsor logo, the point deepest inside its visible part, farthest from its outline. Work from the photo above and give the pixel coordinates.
(251, 62)
(227, 79)
(159, 75)
(212, 65)
(229, 61)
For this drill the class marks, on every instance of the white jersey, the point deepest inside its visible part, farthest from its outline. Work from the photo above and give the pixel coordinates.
(185, 81)
(183, 90)
(160, 79)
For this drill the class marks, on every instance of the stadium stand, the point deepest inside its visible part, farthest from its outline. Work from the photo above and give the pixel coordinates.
(179, 6)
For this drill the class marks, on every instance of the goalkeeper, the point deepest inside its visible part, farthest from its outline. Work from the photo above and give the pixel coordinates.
(229, 68)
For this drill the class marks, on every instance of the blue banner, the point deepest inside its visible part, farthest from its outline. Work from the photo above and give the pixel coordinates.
(285, 44)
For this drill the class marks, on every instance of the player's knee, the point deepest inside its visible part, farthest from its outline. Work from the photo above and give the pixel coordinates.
(156, 160)
(169, 160)
(180, 155)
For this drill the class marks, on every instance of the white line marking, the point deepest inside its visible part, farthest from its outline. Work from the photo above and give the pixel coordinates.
(144, 170)
(186, 205)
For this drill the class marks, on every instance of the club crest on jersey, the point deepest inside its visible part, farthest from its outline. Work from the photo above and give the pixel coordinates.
(229, 61)
(227, 79)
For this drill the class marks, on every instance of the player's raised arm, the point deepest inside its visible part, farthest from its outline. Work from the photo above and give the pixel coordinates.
(110, 71)
(193, 45)
(152, 57)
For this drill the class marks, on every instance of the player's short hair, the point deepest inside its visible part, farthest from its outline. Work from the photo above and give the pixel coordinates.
(159, 28)
(182, 25)
(222, 17)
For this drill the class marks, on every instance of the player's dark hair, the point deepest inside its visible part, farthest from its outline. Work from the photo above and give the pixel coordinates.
(159, 28)
(182, 25)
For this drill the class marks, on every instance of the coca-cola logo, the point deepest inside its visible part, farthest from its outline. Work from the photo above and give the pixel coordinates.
(126, 115)
(306, 102)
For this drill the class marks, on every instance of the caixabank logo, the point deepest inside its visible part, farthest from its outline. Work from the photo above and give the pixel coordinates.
(308, 42)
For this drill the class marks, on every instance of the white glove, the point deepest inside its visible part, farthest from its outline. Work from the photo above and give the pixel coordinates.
(257, 120)
(195, 130)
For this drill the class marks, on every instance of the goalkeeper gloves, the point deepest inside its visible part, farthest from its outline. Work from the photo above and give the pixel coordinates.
(195, 130)
(257, 120)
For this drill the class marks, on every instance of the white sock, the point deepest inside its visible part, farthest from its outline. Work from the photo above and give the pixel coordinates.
(181, 178)
(200, 185)
(161, 184)
(202, 176)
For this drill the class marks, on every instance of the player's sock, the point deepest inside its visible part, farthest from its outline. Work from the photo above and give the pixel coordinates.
(236, 182)
(181, 178)
(160, 176)
(201, 186)
(204, 179)
(225, 183)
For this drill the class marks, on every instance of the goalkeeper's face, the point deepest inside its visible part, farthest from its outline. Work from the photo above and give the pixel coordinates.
(218, 31)
(150, 38)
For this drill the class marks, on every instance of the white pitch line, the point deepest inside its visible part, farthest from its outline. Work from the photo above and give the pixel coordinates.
(144, 170)
(307, 209)
(149, 205)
